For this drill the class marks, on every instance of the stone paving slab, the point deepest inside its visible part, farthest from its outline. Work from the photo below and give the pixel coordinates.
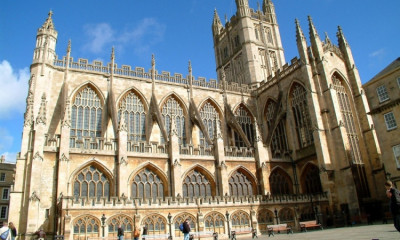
(369, 232)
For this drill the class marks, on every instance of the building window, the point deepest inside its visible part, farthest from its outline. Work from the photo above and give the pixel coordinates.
(179, 220)
(135, 117)
(225, 52)
(4, 212)
(91, 182)
(126, 224)
(6, 194)
(196, 184)
(2, 177)
(237, 41)
(311, 181)
(240, 220)
(382, 93)
(171, 109)
(210, 117)
(240, 185)
(155, 224)
(265, 217)
(147, 185)
(280, 182)
(396, 152)
(86, 119)
(245, 120)
(390, 121)
(301, 116)
(214, 222)
(85, 227)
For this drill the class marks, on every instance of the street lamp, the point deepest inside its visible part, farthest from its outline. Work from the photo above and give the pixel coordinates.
(229, 227)
(103, 222)
(170, 224)
(276, 216)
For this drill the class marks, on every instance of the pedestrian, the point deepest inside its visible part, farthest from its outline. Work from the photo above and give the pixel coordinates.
(136, 233)
(13, 230)
(41, 234)
(391, 193)
(5, 233)
(144, 230)
(186, 229)
(120, 234)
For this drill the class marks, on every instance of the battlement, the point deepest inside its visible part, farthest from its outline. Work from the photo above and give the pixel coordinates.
(140, 73)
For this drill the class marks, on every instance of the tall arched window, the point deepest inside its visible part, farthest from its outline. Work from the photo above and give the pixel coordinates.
(126, 224)
(280, 182)
(244, 119)
(301, 116)
(240, 220)
(135, 116)
(180, 219)
(172, 108)
(147, 184)
(155, 224)
(270, 114)
(279, 142)
(265, 217)
(210, 118)
(196, 184)
(214, 222)
(311, 180)
(85, 227)
(240, 185)
(91, 182)
(86, 113)
(286, 215)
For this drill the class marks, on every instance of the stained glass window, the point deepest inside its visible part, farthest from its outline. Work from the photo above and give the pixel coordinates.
(172, 108)
(240, 185)
(88, 184)
(196, 184)
(244, 119)
(147, 184)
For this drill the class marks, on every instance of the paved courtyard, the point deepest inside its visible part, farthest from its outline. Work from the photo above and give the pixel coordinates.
(364, 232)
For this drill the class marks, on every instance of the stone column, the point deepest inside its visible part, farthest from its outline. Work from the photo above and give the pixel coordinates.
(175, 162)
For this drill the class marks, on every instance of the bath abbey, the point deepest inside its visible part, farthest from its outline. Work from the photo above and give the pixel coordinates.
(268, 142)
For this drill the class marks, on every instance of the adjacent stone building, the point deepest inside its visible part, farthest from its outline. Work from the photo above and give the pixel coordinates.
(383, 94)
(268, 142)
(7, 172)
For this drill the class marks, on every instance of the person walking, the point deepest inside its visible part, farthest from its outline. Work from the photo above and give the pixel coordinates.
(136, 233)
(5, 233)
(186, 229)
(391, 193)
(13, 230)
(120, 233)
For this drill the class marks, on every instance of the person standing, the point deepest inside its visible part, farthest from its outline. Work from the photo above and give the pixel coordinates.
(5, 233)
(186, 229)
(136, 233)
(394, 207)
(120, 234)
(144, 230)
(13, 230)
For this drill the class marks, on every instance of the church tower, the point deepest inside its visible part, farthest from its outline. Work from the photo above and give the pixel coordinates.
(249, 48)
(46, 39)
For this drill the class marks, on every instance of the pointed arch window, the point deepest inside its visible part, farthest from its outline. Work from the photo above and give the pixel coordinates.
(86, 113)
(90, 182)
(311, 181)
(180, 219)
(240, 220)
(240, 185)
(126, 224)
(245, 120)
(196, 184)
(147, 185)
(155, 224)
(286, 215)
(265, 217)
(210, 118)
(135, 116)
(301, 116)
(85, 227)
(279, 140)
(280, 182)
(214, 222)
(172, 108)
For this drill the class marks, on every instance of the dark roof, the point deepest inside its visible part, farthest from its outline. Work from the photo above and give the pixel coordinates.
(395, 64)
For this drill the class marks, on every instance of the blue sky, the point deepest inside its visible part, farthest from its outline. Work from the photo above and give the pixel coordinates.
(175, 32)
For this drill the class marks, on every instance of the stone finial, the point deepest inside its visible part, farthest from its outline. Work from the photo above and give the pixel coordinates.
(313, 31)
(48, 24)
(66, 122)
(41, 118)
(153, 61)
(69, 46)
(341, 39)
(327, 39)
(299, 31)
(112, 54)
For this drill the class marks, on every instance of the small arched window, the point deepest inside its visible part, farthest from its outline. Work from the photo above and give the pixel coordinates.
(265, 217)
(311, 180)
(86, 114)
(85, 227)
(155, 224)
(180, 219)
(126, 224)
(91, 182)
(240, 219)
(214, 222)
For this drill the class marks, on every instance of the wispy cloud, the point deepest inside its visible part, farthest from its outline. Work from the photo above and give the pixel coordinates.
(377, 53)
(14, 86)
(6, 141)
(141, 37)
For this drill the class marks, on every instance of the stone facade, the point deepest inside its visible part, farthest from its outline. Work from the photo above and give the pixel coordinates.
(268, 142)
(383, 93)
(7, 172)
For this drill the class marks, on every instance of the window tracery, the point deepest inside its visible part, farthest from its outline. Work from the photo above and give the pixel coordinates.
(172, 108)
(126, 224)
(91, 182)
(244, 119)
(286, 215)
(210, 117)
(301, 116)
(135, 117)
(86, 226)
(240, 219)
(265, 217)
(196, 184)
(155, 224)
(180, 219)
(214, 222)
(86, 114)
(280, 182)
(312, 182)
(147, 185)
(240, 185)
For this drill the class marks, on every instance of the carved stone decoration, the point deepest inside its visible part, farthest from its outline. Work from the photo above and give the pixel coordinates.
(173, 131)
(123, 161)
(34, 197)
(28, 121)
(38, 157)
(122, 124)
(222, 165)
(66, 122)
(177, 163)
(64, 158)
(41, 118)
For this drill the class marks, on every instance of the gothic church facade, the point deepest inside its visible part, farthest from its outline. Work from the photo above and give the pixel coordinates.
(268, 142)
